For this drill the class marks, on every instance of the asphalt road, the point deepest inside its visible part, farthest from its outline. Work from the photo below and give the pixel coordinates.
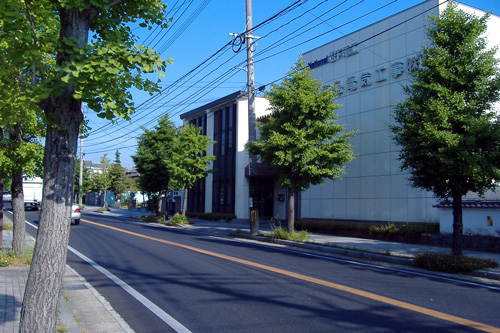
(201, 283)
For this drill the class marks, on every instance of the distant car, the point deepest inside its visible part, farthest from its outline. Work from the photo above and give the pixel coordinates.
(31, 205)
(7, 197)
(76, 215)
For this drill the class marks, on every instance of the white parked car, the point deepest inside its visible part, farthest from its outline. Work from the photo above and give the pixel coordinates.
(76, 215)
(7, 196)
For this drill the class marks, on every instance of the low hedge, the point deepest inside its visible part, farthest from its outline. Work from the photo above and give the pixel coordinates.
(177, 219)
(449, 263)
(368, 229)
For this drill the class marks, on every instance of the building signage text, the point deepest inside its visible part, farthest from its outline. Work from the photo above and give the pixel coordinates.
(366, 79)
(335, 56)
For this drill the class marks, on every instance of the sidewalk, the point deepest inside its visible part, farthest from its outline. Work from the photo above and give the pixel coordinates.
(391, 252)
(84, 311)
(94, 314)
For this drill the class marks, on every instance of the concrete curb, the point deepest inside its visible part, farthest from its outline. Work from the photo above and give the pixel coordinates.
(332, 250)
(88, 305)
(348, 252)
(67, 318)
(357, 254)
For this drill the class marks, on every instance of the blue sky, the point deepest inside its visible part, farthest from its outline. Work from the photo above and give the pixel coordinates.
(197, 36)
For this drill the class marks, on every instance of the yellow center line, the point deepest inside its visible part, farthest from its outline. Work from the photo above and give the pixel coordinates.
(387, 300)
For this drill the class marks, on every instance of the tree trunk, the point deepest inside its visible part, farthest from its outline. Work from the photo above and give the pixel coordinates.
(40, 307)
(184, 202)
(291, 210)
(456, 246)
(166, 201)
(1, 208)
(105, 204)
(19, 232)
(158, 204)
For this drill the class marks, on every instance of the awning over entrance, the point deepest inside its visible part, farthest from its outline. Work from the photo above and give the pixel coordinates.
(262, 171)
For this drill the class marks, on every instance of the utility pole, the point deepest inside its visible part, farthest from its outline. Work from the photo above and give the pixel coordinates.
(238, 40)
(1, 209)
(252, 132)
(80, 180)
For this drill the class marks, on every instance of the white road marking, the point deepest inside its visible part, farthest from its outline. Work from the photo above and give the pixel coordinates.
(168, 319)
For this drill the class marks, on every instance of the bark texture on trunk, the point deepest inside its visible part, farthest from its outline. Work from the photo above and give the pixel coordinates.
(49, 258)
(291, 210)
(166, 201)
(456, 247)
(19, 228)
(40, 308)
(1, 208)
(184, 202)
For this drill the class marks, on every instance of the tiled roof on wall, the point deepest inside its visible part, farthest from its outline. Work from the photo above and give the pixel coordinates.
(476, 203)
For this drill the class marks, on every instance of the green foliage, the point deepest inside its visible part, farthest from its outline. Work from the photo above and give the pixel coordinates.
(8, 258)
(96, 183)
(104, 176)
(449, 138)
(21, 147)
(384, 228)
(119, 182)
(86, 178)
(99, 72)
(301, 140)
(171, 158)
(300, 236)
(177, 219)
(450, 263)
(153, 159)
(360, 229)
(54, 55)
(189, 158)
(21, 153)
(7, 226)
(211, 216)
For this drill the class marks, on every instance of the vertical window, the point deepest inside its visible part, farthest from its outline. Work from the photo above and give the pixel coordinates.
(223, 187)
(222, 144)
(216, 146)
(229, 194)
(221, 194)
(216, 133)
(204, 125)
(223, 132)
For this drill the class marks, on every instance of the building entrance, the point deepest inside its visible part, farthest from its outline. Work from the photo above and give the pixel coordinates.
(262, 192)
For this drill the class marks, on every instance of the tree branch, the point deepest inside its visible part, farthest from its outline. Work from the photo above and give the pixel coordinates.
(15, 76)
(114, 3)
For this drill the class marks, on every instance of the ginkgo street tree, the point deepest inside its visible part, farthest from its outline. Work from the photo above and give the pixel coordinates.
(21, 151)
(56, 55)
(446, 127)
(153, 158)
(301, 141)
(190, 159)
(119, 183)
(21, 155)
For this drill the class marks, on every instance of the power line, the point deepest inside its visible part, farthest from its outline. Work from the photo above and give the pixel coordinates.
(161, 98)
(170, 26)
(206, 76)
(177, 108)
(185, 25)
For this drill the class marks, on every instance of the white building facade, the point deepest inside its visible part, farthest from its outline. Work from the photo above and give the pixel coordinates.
(370, 67)
(227, 189)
